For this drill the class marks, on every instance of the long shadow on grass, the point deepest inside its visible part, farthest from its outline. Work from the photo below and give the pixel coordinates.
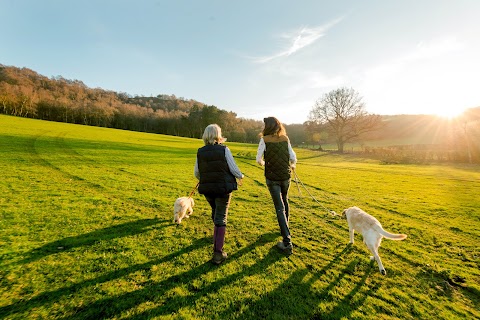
(445, 280)
(293, 299)
(88, 239)
(50, 297)
(353, 300)
(176, 303)
(153, 291)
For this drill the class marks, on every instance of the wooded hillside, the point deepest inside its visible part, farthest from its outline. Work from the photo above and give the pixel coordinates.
(25, 93)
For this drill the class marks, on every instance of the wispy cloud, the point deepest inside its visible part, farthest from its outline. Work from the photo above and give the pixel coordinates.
(434, 49)
(298, 40)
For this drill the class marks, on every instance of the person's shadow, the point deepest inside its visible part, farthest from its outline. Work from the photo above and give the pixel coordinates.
(154, 290)
(295, 298)
(114, 306)
(175, 303)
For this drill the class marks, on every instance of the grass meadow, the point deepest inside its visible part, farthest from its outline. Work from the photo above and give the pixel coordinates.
(87, 232)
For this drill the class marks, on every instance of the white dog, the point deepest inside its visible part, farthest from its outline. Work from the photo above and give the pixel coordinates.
(371, 230)
(181, 207)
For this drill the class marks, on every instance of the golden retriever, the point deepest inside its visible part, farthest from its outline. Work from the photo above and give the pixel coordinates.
(371, 230)
(182, 208)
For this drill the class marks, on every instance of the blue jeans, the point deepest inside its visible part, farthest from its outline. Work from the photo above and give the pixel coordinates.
(219, 204)
(279, 192)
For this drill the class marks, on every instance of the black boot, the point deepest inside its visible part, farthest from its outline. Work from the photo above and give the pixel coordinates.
(286, 244)
(287, 249)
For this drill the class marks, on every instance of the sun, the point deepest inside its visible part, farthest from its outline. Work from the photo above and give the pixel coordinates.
(449, 113)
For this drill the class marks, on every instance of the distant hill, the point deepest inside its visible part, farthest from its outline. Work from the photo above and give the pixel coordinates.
(426, 129)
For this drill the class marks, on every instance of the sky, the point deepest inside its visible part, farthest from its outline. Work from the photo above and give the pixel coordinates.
(257, 58)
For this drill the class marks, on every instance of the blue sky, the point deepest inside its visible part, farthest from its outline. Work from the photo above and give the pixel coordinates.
(257, 58)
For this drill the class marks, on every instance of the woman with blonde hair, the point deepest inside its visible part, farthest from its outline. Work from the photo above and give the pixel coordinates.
(217, 172)
(276, 154)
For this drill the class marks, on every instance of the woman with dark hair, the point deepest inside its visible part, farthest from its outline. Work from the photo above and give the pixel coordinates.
(217, 171)
(276, 154)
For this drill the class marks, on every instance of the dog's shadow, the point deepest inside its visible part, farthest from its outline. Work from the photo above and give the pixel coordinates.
(87, 239)
(353, 299)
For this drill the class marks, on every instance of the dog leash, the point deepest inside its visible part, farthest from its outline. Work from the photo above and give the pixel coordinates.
(193, 191)
(296, 182)
(297, 178)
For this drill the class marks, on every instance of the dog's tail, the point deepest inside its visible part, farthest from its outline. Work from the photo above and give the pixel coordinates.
(392, 236)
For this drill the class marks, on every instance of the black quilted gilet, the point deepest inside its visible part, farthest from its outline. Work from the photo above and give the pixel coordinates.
(277, 161)
(215, 176)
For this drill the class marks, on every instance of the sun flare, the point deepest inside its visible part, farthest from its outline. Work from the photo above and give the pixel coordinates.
(449, 113)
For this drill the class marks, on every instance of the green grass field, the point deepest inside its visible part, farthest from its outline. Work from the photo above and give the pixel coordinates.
(87, 233)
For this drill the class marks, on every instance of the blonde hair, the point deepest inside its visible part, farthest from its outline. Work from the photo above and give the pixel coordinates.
(213, 134)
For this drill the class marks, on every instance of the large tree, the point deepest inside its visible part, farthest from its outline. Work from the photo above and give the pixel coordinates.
(343, 114)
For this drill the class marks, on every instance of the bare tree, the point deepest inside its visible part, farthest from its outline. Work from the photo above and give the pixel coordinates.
(343, 114)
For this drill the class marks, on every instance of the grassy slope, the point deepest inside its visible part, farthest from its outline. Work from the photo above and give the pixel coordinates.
(86, 232)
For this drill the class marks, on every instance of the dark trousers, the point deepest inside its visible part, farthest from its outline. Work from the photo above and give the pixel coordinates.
(219, 204)
(279, 192)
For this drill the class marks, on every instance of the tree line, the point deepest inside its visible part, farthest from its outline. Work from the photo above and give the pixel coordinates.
(25, 93)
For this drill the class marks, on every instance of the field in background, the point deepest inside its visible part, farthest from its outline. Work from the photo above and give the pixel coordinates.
(87, 233)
